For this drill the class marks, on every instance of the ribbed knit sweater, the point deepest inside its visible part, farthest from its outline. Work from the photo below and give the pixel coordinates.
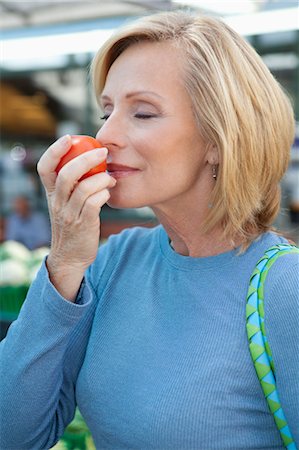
(154, 352)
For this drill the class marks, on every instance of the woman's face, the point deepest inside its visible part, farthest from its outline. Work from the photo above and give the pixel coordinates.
(155, 150)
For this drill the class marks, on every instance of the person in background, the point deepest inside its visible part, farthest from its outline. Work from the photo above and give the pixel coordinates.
(30, 228)
(292, 185)
(146, 334)
(2, 229)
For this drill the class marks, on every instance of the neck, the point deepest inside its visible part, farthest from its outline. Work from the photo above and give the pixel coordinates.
(186, 237)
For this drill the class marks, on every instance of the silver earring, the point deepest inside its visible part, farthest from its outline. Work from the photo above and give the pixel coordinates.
(214, 172)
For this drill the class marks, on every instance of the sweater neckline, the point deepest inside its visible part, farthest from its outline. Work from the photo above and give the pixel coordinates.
(198, 263)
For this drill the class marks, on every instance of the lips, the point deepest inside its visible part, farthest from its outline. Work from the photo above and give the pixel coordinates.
(119, 170)
(111, 167)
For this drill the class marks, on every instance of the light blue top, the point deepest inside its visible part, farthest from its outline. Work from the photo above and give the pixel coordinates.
(154, 352)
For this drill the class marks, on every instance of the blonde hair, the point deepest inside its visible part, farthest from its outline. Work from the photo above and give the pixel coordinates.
(239, 108)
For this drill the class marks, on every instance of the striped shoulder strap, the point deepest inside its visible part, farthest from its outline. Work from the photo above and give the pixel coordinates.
(258, 343)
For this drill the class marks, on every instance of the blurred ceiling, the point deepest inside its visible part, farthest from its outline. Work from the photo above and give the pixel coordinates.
(23, 13)
(43, 12)
(34, 104)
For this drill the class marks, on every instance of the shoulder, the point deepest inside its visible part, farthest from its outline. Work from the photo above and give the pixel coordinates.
(256, 252)
(284, 271)
(281, 299)
(267, 240)
(282, 278)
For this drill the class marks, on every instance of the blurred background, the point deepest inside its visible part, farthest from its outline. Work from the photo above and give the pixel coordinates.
(45, 92)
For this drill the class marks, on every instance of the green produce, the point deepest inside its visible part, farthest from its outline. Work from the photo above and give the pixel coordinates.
(13, 273)
(18, 268)
(18, 265)
(15, 251)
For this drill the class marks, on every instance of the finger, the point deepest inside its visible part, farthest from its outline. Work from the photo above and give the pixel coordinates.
(86, 188)
(48, 162)
(70, 174)
(92, 206)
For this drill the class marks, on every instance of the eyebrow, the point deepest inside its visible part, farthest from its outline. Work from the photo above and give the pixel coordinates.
(133, 94)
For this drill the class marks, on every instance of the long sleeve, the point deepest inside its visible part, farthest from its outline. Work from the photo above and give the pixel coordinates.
(40, 359)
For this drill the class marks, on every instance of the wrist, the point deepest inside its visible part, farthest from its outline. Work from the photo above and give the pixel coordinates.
(65, 278)
(57, 265)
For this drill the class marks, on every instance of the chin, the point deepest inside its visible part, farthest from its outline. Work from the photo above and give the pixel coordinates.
(124, 203)
(134, 197)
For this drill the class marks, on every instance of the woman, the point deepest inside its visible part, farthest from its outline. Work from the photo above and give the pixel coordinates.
(147, 334)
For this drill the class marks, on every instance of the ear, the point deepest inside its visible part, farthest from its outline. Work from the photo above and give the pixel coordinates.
(212, 155)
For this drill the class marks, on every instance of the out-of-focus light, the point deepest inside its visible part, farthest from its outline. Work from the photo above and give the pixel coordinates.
(281, 61)
(221, 7)
(265, 21)
(18, 153)
(34, 63)
(46, 51)
(244, 17)
(54, 46)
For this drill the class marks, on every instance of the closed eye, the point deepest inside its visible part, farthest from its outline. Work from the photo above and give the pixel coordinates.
(144, 116)
(137, 115)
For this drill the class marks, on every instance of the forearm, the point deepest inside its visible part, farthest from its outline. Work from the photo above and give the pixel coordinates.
(37, 389)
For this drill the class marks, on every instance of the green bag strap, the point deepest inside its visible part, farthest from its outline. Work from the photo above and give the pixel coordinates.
(258, 343)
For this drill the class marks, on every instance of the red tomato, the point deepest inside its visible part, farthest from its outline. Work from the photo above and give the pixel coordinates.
(82, 144)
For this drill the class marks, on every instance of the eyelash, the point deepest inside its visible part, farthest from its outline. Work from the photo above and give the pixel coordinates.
(137, 116)
(145, 116)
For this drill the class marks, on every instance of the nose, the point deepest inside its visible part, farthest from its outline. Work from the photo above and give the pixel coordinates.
(110, 134)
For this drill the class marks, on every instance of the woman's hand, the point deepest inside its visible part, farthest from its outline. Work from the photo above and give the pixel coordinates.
(74, 209)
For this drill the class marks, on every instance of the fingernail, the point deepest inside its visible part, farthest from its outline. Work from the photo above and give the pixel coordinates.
(102, 152)
(64, 139)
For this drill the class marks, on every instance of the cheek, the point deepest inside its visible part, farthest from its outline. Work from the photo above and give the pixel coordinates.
(156, 148)
(169, 153)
